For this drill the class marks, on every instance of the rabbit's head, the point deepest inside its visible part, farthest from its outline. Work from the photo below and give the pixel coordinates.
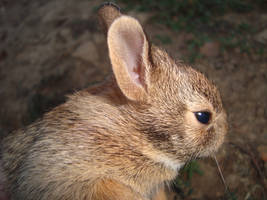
(180, 111)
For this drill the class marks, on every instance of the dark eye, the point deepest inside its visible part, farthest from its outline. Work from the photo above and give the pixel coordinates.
(203, 117)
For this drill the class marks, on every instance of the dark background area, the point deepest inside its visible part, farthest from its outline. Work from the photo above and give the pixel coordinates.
(49, 49)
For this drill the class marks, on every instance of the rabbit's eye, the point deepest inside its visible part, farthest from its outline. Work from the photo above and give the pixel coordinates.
(203, 117)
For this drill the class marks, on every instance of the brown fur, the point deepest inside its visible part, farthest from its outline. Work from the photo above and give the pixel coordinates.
(123, 139)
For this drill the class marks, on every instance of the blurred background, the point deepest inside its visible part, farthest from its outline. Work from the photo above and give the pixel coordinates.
(52, 48)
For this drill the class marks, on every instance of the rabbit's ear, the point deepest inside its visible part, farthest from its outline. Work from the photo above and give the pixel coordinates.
(128, 51)
(107, 13)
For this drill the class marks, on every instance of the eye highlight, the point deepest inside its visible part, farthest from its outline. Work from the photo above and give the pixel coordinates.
(203, 117)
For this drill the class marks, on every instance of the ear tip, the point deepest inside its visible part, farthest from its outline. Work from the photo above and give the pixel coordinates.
(108, 6)
(107, 13)
(126, 22)
(123, 27)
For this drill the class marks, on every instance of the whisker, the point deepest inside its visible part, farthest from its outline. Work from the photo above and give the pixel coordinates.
(221, 175)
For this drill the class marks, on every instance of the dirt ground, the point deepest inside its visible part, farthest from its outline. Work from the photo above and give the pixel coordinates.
(49, 49)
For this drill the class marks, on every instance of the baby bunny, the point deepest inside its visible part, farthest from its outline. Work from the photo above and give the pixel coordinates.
(125, 138)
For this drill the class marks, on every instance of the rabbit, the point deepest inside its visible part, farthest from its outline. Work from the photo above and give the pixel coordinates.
(124, 138)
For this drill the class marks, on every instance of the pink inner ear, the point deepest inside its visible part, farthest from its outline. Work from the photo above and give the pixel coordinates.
(130, 45)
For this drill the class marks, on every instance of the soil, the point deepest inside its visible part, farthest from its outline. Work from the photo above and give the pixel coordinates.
(49, 49)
